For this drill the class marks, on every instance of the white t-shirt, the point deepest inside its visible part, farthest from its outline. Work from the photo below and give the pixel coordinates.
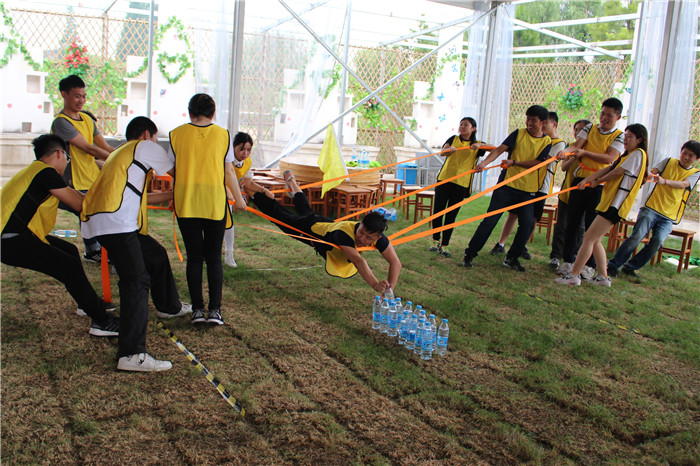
(125, 220)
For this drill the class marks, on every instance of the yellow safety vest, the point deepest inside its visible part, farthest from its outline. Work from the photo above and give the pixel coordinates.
(527, 148)
(200, 173)
(240, 172)
(568, 180)
(549, 169)
(83, 168)
(459, 162)
(611, 187)
(337, 263)
(45, 217)
(667, 201)
(597, 143)
(107, 192)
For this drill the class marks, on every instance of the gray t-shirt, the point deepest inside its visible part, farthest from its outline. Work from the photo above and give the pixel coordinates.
(65, 130)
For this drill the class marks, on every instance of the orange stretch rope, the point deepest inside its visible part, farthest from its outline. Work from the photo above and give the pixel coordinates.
(279, 222)
(471, 198)
(423, 234)
(404, 196)
(370, 170)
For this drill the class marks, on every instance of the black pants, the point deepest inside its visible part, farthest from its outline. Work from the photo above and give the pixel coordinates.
(447, 195)
(582, 204)
(91, 244)
(58, 259)
(127, 258)
(163, 288)
(503, 197)
(302, 220)
(560, 232)
(203, 239)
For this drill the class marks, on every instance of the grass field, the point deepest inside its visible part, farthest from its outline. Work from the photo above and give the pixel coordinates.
(535, 372)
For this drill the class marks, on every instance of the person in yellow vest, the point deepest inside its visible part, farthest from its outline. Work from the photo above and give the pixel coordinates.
(340, 240)
(29, 203)
(114, 212)
(242, 147)
(568, 167)
(88, 146)
(545, 174)
(203, 158)
(453, 192)
(526, 148)
(622, 179)
(596, 147)
(664, 207)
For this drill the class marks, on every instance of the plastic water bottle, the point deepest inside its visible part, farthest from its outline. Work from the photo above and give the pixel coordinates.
(365, 158)
(388, 293)
(443, 335)
(384, 316)
(64, 233)
(376, 314)
(390, 214)
(433, 324)
(419, 336)
(403, 327)
(411, 339)
(393, 324)
(354, 154)
(399, 305)
(408, 307)
(427, 342)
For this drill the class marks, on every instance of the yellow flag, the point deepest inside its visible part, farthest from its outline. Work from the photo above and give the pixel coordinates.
(330, 161)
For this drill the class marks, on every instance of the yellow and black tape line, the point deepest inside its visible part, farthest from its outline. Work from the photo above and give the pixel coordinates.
(621, 327)
(205, 372)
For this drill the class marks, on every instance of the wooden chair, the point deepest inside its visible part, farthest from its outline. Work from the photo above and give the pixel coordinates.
(547, 221)
(318, 204)
(348, 199)
(422, 202)
(683, 252)
(396, 184)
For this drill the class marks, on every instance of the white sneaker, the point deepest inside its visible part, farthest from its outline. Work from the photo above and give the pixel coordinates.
(568, 279)
(229, 260)
(185, 308)
(142, 362)
(601, 281)
(565, 268)
(587, 273)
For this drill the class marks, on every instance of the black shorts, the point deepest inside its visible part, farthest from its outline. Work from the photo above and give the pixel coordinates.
(611, 214)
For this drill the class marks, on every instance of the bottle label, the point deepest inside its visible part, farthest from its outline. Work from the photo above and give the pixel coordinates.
(442, 342)
(376, 316)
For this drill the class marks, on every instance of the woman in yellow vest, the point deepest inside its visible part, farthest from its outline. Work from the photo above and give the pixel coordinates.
(622, 179)
(203, 169)
(340, 243)
(664, 207)
(453, 192)
(28, 205)
(242, 147)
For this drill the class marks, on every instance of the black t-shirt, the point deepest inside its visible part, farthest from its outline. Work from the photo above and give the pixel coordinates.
(35, 195)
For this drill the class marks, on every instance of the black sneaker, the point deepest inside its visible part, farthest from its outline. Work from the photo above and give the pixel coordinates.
(629, 272)
(513, 264)
(198, 317)
(467, 261)
(95, 257)
(498, 249)
(612, 272)
(108, 328)
(215, 317)
(526, 255)
(435, 247)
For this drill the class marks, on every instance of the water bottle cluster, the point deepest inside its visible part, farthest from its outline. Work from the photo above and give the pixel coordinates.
(389, 214)
(415, 329)
(65, 233)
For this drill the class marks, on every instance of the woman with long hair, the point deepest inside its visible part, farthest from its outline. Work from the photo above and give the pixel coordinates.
(623, 179)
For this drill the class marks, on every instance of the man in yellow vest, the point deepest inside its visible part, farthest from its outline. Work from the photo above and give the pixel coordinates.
(88, 147)
(526, 148)
(596, 147)
(664, 207)
(114, 212)
(28, 203)
(339, 240)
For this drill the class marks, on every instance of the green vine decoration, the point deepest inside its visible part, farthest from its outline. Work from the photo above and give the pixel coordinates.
(14, 42)
(185, 59)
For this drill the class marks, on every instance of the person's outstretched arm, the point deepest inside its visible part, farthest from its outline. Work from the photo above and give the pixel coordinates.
(363, 268)
(394, 265)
